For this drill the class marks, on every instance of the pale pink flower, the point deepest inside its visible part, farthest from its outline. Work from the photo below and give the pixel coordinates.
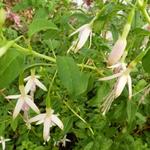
(123, 78)
(85, 32)
(117, 51)
(3, 142)
(48, 119)
(32, 82)
(24, 101)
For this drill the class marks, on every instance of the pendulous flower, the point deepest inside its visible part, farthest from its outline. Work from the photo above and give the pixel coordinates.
(117, 51)
(24, 101)
(3, 142)
(85, 32)
(32, 82)
(123, 78)
(48, 119)
(63, 141)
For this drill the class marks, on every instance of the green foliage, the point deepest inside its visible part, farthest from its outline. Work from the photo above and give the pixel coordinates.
(146, 62)
(40, 24)
(75, 81)
(11, 65)
(75, 92)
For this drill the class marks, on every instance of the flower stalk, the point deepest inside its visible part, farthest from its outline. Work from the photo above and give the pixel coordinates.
(142, 6)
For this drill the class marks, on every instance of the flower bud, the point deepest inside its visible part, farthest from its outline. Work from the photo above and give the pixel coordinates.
(2, 17)
(117, 51)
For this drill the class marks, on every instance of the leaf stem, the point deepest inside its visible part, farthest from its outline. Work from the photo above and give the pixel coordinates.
(79, 117)
(146, 15)
(49, 58)
(48, 98)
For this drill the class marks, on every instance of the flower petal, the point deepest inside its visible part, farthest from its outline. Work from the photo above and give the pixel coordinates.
(37, 76)
(111, 77)
(120, 85)
(18, 107)
(27, 78)
(3, 145)
(79, 29)
(115, 65)
(83, 36)
(37, 118)
(28, 86)
(7, 140)
(12, 96)
(46, 129)
(32, 105)
(40, 85)
(40, 122)
(130, 86)
(57, 121)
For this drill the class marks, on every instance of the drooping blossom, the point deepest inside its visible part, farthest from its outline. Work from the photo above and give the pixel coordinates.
(123, 78)
(48, 119)
(63, 141)
(23, 103)
(3, 142)
(117, 51)
(85, 32)
(32, 82)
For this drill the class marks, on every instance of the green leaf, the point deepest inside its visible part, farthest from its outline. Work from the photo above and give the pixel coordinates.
(39, 25)
(131, 111)
(75, 81)
(11, 64)
(14, 124)
(146, 62)
(67, 124)
(24, 4)
(89, 146)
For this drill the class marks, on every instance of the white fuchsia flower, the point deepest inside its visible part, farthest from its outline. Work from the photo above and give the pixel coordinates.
(117, 51)
(3, 142)
(85, 32)
(63, 141)
(24, 101)
(32, 82)
(123, 75)
(48, 119)
(123, 79)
